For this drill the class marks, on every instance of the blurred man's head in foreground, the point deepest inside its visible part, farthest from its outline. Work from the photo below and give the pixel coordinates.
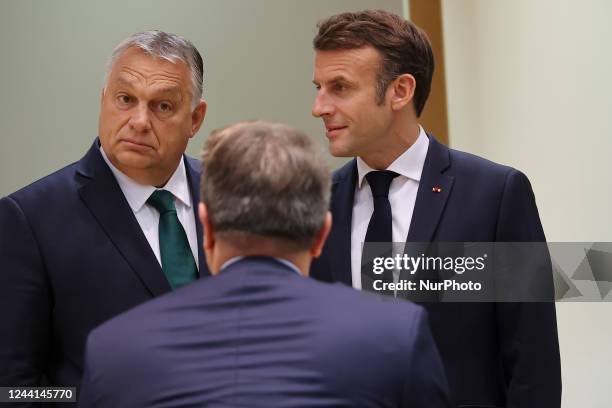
(265, 191)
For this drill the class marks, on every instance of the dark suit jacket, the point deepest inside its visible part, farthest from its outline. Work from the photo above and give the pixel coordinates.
(495, 354)
(260, 335)
(72, 255)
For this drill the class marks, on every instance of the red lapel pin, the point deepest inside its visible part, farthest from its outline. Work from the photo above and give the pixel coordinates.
(437, 189)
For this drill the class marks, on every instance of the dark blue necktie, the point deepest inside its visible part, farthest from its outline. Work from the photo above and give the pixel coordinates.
(380, 227)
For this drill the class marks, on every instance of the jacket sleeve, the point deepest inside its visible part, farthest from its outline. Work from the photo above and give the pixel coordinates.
(527, 331)
(25, 301)
(426, 386)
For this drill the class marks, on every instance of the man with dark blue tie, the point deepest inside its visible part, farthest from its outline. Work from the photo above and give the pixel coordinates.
(112, 230)
(260, 333)
(373, 73)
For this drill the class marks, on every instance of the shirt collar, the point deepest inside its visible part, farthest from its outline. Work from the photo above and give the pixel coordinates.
(137, 194)
(409, 164)
(285, 262)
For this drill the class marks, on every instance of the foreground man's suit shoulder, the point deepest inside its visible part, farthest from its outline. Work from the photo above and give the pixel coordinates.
(260, 335)
(504, 354)
(72, 255)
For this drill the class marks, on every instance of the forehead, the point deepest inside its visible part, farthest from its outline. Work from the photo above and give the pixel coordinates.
(136, 66)
(353, 63)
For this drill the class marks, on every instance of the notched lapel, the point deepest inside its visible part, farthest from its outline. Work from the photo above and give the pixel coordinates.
(434, 189)
(104, 198)
(343, 192)
(194, 175)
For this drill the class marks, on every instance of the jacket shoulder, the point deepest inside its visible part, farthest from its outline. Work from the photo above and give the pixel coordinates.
(468, 162)
(55, 183)
(194, 163)
(387, 314)
(482, 172)
(344, 172)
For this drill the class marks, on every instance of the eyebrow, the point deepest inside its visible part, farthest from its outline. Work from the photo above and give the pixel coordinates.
(169, 90)
(337, 78)
(163, 89)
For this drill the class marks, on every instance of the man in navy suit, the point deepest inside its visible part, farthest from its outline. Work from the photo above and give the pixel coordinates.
(259, 333)
(373, 74)
(89, 241)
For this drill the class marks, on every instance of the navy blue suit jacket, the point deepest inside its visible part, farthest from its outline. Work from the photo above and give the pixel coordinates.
(72, 255)
(260, 335)
(495, 354)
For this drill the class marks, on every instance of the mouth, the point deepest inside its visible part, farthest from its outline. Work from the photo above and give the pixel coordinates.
(334, 130)
(135, 145)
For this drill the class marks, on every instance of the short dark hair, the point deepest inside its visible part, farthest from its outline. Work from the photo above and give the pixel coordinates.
(262, 179)
(404, 47)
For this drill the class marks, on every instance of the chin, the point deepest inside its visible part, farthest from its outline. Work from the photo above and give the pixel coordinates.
(340, 151)
(133, 160)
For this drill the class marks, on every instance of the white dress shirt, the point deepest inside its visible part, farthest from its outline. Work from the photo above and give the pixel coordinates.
(148, 217)
(402, 197)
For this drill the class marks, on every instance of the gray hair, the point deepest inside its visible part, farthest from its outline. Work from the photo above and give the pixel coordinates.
(170, 47)
(265, 180)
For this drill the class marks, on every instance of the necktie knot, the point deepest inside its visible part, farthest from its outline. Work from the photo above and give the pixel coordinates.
(162, 200)
(380, 181)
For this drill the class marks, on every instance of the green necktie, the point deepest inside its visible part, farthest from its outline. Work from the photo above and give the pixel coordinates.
(176, 256)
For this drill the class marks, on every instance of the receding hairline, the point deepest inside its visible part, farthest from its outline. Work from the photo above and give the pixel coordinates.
(170, 47)
(124, 77)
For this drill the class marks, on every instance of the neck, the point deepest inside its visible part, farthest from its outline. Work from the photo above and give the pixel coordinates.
(398, 139)
(147, 177)
(224, 250)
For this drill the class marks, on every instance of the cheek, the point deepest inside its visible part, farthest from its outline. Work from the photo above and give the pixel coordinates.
(378, 116)
(112, 123)
(359, 109)
(172, 135)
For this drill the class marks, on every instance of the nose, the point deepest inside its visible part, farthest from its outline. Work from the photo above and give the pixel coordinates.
(140, 120)
(321, 106)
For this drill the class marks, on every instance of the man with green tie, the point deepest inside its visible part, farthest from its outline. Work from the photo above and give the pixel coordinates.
(112, 230)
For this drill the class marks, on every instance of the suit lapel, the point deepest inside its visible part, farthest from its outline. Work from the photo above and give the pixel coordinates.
(104, 198)
(429, 203)
(193, 175)
(343, 192)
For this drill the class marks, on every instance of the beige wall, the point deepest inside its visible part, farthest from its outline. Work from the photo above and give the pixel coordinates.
(257, 56)
(529, 86)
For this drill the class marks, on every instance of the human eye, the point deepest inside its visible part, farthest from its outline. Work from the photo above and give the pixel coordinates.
(123, 98)
(339, 87)
(164, 106)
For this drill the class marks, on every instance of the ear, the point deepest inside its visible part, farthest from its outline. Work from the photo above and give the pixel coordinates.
(402, 91)
(197, 117)
(317, 246)
(209, 232)
(102, 95)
